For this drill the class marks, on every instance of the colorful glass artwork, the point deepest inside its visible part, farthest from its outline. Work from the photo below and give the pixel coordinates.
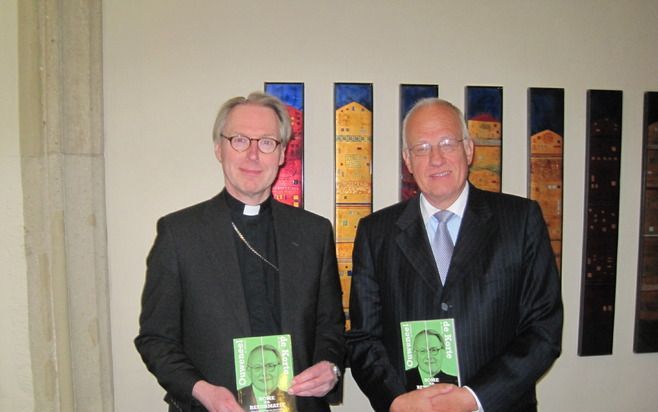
(597, 301)
(289, 185)
(353, 144)
(484, 118)
(409, 95)
(646, 316)
(546, 147)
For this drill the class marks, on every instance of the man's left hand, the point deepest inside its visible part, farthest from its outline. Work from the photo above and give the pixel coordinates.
(317, 380)
(455, 400)
(436, 398)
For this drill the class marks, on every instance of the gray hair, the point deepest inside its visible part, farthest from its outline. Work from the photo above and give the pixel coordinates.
(256, 99)
(266, 347)
(427, 333)
(434, 101)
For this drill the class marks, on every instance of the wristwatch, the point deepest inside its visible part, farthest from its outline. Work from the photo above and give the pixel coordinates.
(336, 370)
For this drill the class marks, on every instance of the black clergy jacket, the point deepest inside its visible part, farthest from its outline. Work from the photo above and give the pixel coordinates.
(193, 303)
(502, 289)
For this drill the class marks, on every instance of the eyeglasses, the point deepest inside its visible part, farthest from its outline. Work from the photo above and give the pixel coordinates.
(445, 145)
(431, 351)
(241, 143)
(269, 367)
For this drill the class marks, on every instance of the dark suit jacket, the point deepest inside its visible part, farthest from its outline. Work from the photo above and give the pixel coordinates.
(414, 379)
(193, 302)
(503, 290)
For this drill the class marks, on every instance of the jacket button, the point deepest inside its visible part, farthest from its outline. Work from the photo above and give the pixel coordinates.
(444, 307)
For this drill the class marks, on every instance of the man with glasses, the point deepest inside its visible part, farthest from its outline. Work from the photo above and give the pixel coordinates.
(483, 259)
(428, 352)
(242, 264)
(263, 369)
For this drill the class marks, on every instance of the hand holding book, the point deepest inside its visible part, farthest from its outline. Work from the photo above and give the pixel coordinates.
(437, 398)
(215, 398)
(317, 380)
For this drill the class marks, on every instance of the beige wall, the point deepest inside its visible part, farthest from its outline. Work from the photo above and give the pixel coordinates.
(168, 65)
(15, 364)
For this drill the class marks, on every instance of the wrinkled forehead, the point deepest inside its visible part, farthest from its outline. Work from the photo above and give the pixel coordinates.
(426, 340)
(433, 121)
(250, 117)
(260, 354)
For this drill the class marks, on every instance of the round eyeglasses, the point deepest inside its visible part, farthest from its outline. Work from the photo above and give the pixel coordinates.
(445, 145)
(431, 351)
(241, 143)
(268, 367)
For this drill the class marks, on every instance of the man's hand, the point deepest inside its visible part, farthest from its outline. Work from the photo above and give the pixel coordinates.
(436, 398)
(419, 400)
(215, 398)
(317, 380)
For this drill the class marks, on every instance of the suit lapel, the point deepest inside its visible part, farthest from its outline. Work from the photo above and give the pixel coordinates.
(475, 233)
(288, 241)
(223, 255)
(412, 241)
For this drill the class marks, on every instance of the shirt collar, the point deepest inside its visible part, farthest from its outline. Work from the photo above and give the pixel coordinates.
(240, 208)
(458, 207)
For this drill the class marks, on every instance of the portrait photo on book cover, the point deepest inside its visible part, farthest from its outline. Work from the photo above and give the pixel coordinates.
(430, 353)
(264, 370)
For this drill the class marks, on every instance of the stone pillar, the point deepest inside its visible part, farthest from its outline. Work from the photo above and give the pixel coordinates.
(61, 132)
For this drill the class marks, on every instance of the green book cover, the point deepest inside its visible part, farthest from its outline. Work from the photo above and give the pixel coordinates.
(429, 349)
(263, 372)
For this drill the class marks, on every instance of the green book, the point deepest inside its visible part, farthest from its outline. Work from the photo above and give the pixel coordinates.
(263, 373)
(429, 350)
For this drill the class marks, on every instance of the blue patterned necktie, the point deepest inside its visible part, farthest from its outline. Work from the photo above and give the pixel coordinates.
(442, 245)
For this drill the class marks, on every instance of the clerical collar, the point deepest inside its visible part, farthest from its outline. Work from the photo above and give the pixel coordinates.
(240, 208)
(250, 210)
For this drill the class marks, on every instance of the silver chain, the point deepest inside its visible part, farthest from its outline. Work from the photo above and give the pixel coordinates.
(252, 248)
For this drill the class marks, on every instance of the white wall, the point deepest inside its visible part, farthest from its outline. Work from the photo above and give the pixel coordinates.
(15, 365)
(168, 65)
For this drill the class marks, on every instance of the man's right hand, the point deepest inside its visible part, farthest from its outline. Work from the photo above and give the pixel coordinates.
(419, 400)
(215, 398)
